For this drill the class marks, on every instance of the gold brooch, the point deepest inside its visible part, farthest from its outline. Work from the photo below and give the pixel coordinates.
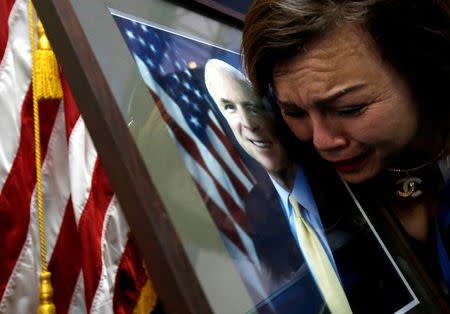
(409, 187)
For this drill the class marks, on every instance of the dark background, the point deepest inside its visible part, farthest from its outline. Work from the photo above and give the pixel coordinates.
(240, 6)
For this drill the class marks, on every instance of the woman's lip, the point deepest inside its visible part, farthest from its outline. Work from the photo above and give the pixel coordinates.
(351, 164)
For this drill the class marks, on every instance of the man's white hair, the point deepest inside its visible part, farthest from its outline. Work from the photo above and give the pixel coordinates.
(216, 70)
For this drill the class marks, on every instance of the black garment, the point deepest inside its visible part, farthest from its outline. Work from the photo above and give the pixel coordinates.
(369, 279)
(288, 281)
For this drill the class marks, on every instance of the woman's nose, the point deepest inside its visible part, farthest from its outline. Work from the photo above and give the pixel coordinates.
(326, 134)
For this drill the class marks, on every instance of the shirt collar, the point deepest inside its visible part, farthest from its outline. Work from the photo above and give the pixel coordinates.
(301, 191)
(282, 193)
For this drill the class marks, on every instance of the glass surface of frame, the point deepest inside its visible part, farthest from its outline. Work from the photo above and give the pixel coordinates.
(203, 237)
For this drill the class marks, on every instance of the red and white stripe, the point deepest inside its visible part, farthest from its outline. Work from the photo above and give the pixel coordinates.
(87, 238)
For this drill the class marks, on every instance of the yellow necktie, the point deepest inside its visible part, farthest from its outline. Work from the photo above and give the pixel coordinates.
(326, 277)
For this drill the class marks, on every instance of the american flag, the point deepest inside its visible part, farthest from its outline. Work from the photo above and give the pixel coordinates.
(172, 66)
(94, 263)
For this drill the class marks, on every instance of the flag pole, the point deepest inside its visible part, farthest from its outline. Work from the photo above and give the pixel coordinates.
(46, 85)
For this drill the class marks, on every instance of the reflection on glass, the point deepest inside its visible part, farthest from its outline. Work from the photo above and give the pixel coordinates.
(241, 161)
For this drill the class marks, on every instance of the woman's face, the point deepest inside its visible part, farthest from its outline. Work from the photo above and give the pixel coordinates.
(357, 111)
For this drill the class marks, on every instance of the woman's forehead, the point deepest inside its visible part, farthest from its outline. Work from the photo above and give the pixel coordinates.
(338, 61)
(348, 39)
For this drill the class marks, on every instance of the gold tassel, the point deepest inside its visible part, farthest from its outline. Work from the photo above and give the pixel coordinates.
(46, 305)
(48, 84)
(147, 299)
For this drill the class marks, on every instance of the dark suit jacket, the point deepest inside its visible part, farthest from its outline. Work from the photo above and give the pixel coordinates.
(369, 279)
(285, 274)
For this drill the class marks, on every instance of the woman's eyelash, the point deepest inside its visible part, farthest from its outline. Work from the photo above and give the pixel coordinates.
(294, 113)
(351, 111)
(343, 111)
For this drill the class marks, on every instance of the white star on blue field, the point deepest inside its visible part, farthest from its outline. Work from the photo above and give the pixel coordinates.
(167, 56)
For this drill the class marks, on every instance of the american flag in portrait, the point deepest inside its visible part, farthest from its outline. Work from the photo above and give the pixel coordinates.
(172, 66)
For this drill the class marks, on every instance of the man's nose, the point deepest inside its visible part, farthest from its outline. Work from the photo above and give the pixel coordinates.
(326, 133)
(248, 121)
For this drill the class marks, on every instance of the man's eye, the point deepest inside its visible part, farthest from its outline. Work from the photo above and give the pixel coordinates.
(352, 111)
(229, 107)
(253, 108)
(256, 110)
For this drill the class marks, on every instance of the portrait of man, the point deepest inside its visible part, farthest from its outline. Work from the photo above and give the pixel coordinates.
(278, 204)
(250, 118)
(271, 221)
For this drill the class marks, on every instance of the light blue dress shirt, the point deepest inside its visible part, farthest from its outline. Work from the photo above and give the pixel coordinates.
(303, 195)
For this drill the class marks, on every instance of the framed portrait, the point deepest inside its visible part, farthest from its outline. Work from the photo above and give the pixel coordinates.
(191, 173)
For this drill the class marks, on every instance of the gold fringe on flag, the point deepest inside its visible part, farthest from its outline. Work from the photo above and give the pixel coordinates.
(147, 299)
(46, 86)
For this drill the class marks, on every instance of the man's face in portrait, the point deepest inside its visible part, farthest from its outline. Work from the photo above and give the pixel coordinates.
(250, 119)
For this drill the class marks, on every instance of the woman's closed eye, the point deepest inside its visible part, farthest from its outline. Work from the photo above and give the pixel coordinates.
(295, 113)
(351, 111)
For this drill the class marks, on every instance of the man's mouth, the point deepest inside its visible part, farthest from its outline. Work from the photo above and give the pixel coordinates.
(350, 164)
(260, 144)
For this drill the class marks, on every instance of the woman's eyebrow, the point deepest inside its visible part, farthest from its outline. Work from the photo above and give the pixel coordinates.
(324, 102)
(332, 98)
(287, 105)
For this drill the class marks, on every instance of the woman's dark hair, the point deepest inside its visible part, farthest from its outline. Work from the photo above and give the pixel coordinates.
(412, 35)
